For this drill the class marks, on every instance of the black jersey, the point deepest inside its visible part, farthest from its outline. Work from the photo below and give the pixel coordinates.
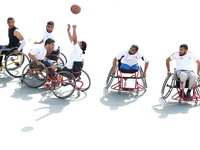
(13, 40)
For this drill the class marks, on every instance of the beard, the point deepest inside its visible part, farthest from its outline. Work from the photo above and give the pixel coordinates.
(49, 31)
(181, 54)
(131, 53)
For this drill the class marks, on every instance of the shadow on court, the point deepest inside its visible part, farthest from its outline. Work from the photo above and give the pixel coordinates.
(173, 108)
(115, 100)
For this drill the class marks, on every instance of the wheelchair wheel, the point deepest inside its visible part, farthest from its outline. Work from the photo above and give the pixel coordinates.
(142, 78)
(63, 57)
(56, 59)
(85, 78)
(63, 84)
(198, 86)
(109, 79)
(15, 64)
(34, 76)
(168, 86)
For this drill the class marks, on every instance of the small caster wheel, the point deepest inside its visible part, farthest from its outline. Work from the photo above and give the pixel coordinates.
(125, 84)
(79, 93)
(196, 102)
(179, 102)
(137, 93)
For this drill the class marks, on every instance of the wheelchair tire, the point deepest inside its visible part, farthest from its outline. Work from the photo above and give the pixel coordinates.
(86, 80)
(63, 84)
(198, 87)
(56, 59)
(34, 77)
(14, 64)
(142, 78)
(109, 79)
(167, 88)
(63, 57)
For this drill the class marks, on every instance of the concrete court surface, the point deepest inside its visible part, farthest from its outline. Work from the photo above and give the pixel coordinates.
(36, 119)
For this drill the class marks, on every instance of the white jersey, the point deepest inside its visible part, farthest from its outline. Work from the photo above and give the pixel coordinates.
(39, 53)
(76, 55)
(52, 36)
(184, 62)
(131, 59)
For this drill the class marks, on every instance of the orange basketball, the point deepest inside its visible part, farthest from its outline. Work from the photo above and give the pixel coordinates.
(75, 9)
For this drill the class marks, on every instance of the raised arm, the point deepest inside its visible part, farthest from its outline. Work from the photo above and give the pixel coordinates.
(168, 66)
(42, 41)
(145, 69)
(74, 34)
(69, 34)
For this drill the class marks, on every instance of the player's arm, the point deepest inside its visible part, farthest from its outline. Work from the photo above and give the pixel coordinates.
(32, 57)
(42, 41)
(74, 34)
(114, 65)
(69, 34)
(198, 66)
(21, 38)
(145, 68)
(168, 66)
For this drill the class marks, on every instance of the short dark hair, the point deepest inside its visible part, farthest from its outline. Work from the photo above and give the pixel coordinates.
(184, 45)
(50, 23)
(49, 41)
(135, 46)
(10, 18)
(84, 46)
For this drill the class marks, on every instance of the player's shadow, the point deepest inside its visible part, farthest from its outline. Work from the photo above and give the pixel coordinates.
(4, 80)
(115, 100)
(56, 105)
(172, 108)
(26, 93)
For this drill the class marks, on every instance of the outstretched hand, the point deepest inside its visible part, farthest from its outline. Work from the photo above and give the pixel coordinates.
(74, 26)
(68, 27)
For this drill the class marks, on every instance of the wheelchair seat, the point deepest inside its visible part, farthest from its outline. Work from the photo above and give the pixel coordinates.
(77, 68)
(128, 71)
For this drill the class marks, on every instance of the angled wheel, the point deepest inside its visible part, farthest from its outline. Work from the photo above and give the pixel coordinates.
(144, 82)
(110, 78)
(56, 59)
(85, 78)
(198, 87)
(34, 76)
(15, 64)
(168, 86)
(63, 84)
(63, 57)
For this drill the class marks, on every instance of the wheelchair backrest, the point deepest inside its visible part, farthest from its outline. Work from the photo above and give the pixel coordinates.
(77, 68)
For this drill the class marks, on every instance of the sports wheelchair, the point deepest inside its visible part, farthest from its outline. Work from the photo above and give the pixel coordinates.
(122, 80)
(58, 57)
(172, 82)
(14, 64)
(63, 84)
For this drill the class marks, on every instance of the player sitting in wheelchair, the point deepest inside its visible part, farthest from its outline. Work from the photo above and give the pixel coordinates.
(128, 63)
(183, 74)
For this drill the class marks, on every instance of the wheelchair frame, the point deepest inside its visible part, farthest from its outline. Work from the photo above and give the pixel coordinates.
(176, 96)
(121, 84)
(9, 60)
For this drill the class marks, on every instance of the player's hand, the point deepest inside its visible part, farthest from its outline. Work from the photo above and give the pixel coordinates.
(74, 26)
(53, 67)
(36, 42)
(169, 73)
(68, 27)
(144, 74)
(16, 52)
(113, 72)
(39, 63)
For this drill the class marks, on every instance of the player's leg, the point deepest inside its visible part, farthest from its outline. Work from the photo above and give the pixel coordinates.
(192, 77)
(183, 77)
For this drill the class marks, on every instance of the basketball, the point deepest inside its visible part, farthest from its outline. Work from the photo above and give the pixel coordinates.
(75, 9)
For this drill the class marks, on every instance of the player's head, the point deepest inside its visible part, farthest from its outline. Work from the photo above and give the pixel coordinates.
(49, 44)
(183, 49)
(134, 48)
(11, 22)
(83, 46)
(50, 26)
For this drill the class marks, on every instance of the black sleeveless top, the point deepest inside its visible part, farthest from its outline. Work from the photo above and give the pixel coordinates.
(13, 40)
